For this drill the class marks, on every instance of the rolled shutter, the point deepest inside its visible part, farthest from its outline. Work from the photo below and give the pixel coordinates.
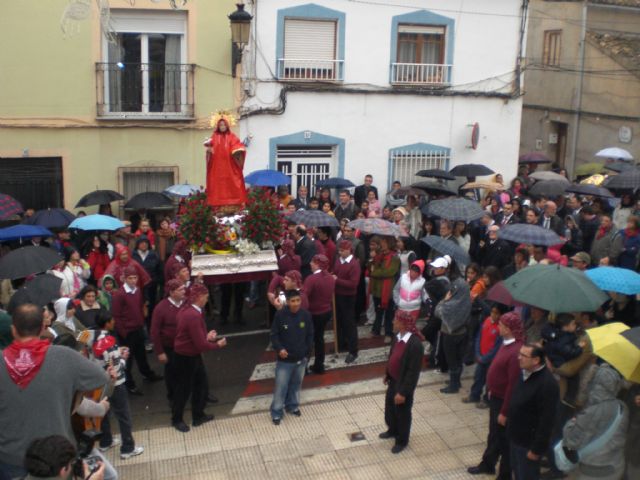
(309, 40)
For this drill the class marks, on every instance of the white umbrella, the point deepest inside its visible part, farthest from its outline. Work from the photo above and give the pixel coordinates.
(181, 190)
(614, 152)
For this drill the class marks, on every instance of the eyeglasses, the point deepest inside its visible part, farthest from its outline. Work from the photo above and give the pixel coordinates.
(520, 354)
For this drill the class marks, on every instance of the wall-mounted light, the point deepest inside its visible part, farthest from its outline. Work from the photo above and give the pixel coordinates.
(240, 29)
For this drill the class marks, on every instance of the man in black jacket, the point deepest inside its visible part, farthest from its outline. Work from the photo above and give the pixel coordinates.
(151, 262)
(305, 248)
(550, 220)
(532, 412)
(401, 378)
(495, 251)
(361, 192)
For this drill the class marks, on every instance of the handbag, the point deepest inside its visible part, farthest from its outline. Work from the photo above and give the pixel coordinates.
(566, 459)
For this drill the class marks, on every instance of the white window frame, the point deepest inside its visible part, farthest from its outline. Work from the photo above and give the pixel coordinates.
(416, 160)
(308, 154)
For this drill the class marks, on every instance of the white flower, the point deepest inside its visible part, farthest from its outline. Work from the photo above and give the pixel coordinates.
(246, 247)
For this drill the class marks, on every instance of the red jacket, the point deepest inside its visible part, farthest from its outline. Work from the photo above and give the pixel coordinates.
(164, 325)
(191, 336)
(319, 288)
(503, 374)
(127, 311)
(348, 276)
(330, 252)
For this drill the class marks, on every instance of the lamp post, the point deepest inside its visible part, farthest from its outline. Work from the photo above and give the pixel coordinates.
(240, 29)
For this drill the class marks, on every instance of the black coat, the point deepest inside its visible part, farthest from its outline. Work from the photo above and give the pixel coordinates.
(497, 254)
(306, 249)
(409, 366)
(514, 219)
(555, 223)
(152, 264)
(360, 194)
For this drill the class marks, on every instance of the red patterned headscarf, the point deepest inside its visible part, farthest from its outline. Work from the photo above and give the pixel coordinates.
(409, 323)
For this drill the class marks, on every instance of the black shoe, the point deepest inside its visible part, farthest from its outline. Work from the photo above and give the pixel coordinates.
(317, 369)
(135, 391)
(181, 427)
(385, 435)
(212, 399)
(351, 358)
(481, 469)
(153, 377)
(450, 389)
(397, 448)
(297, 413)
(276, 421)
(202, 420)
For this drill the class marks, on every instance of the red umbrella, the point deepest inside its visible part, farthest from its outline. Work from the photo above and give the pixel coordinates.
(499, 293)
(9, 207)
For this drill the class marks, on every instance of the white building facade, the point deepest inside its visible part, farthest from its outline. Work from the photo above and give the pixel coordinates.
(348, 88)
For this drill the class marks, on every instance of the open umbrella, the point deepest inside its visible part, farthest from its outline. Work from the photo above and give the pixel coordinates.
(181, 190)
(96, 222)
(609, 343)
(614, 152)
(149, 201)
(486, 185)
(629, 180)
(533, 157)
(335, 182)
(40, 291)
(25, 261)
(435, 188)
(267, 178)
(313, 218)
(499, 293)
(549, 175)
(23, 232)
(404, 191)
(99, 197)
(52, 218)
(592, 190)
(9, 207)
(555, 288)
(615, 279)
(590, 168)
(454, 209)
(619, 166)
(435, 173)
(633, 335)
(377, 226)
(447, 247)
(470, 170)
(529, 234)
(548, 188)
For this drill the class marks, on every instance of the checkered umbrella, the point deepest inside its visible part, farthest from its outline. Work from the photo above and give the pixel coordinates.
(9, 207)
(619, 166)
(529, 235)
(377, 226)
(313, 218)
(549, 175)
(454, 209)
(447, 247)
(629, 180)
(548, 188)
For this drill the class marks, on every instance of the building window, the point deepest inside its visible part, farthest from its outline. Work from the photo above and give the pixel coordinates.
(135, 180)
(306, 165)
(34, 182)
(310, 44)
(144, 70)
(551, 48)
(422, 49)
(405, 161)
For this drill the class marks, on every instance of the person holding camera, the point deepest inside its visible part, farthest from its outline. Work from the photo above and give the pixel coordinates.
(55, 457)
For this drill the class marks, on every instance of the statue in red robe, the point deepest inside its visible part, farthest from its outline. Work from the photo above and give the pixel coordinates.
(225, 160)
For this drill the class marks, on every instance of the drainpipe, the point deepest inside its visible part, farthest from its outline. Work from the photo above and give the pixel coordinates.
(576, 130)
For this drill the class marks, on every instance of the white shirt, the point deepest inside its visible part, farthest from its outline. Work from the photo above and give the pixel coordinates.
(197, 308)
(508, 342)
(317, 271)
(143, 255)
(174, 303)
(526, 373)
(346, 260)
(403, 338)
(128, 289)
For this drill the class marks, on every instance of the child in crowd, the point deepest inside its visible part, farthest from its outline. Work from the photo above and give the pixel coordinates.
(375, 209)
(326, 208)
(409, 292)
(107, 285)
(108, 354)
(560, 340)
(145, 230)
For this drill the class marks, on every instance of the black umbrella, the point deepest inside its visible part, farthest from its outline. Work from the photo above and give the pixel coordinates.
(586, 189)
(435, 173)
(99, 197)
(404, 191)
(529, 234)
(627, 180)
(533, 157)
(26, 261)
(619, 166)
(548, 188)
(454, 209)
(40, 291)
(149, 201)
(335, 182)
(447, 247)
(633, 335)
(470, 170)
(313, 218)
(52, 218)
(434, 188)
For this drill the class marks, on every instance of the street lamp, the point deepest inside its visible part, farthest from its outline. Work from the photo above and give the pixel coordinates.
(240, 30)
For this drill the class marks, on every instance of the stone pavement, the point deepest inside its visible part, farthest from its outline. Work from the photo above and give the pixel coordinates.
(447, 436)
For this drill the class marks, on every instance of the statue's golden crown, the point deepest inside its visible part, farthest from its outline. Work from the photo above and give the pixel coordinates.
(225, 115)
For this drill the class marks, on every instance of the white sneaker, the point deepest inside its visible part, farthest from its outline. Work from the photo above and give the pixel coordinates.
(134, 453)
(369, 322)
(115, 441)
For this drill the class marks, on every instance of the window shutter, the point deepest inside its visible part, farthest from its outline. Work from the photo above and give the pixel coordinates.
(425, 29)
(309, 39)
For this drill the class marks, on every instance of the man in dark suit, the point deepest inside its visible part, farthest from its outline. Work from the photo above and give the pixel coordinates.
(495, 251)
(550, 220)
(361, 192)
(506, 216)
(401, 378)
(302, 200)
(305, 248)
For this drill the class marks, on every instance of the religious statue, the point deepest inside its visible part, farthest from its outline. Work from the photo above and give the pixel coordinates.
(225, 159)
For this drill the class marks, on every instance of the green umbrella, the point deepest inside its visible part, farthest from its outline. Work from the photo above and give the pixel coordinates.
(555, 288)
(588, 169)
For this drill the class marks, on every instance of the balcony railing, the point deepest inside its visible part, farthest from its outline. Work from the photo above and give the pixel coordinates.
(420, 74)
(162, 91)
(297, 69)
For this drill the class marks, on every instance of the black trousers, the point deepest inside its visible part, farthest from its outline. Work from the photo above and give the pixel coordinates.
(454, 349)
(346, 319)
(237, 291)
(319, 324)
(190, 380)
(135, 342)
(361, 296)
(431, 332)
(398, 417)
(119, 401)
(497, 442)
(169, 374)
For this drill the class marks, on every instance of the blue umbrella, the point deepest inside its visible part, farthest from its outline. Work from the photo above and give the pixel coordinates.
(181, 190)
(529, 234)
(52, 218)
(267, 178)
(615, 279)
(97, 222)
(19, 232)
(335, 182)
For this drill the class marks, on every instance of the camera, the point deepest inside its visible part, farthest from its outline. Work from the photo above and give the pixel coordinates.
(86, 442)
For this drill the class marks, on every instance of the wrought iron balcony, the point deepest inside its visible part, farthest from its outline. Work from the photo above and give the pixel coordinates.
(298, 69)
(162, 91)
(420, 74)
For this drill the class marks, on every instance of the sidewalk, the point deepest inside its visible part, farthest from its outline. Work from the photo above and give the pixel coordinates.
(447, 436)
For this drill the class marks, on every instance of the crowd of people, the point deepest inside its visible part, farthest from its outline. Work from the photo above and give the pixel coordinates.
(131, 291)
